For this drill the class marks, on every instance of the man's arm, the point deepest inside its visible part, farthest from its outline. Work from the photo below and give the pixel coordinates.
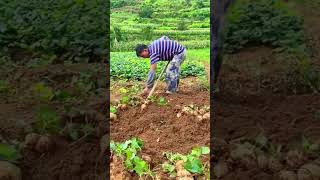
(151, 75)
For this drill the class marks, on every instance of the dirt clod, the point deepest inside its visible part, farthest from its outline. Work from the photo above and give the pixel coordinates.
(287, 175)
(9, 171)
(44, 144)
(294, 158)
(274, 164)
(31, 139)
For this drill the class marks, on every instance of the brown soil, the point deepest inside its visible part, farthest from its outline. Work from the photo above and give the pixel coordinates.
(254, 98)
(67, 159)
(159, 127)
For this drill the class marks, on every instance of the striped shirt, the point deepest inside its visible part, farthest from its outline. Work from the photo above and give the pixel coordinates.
(164, 49)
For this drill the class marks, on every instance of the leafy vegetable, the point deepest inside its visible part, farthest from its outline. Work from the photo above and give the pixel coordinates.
(192, 162)
(162, 101)
(128, 150)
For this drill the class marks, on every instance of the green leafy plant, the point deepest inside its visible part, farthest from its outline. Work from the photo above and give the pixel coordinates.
(162, 101)
(55, 31)
(152, 98)
(43, 92)
(128, 152)
(113, 109)
(192, 162)
(9, 153)
(266, 21)
(62, 95)
(47, 120)
(308, 146)
(203, 83)
(4, 86)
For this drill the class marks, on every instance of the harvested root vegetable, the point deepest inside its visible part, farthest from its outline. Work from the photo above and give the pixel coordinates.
(220, 169)
(186, 110)
(274, 164)
(202, 111)
(44, 144)
(262, 161)
(31, 139)
(304, 174)
(309, 170)
(147, 158)
(206, 116)
(200, 118)
(182, 173)
(113, 116)
(287, 175)
(143, 107)
(179, 115)
(294, 158)
(123, 107)
(242, 150)
(248, 161)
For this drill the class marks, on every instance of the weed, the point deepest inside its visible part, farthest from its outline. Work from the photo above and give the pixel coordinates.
(162, 101)
(43, 92)
(47, 120)
(308, 146)
(9, 153)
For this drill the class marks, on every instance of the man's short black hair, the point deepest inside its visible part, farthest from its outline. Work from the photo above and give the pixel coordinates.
(140, 48)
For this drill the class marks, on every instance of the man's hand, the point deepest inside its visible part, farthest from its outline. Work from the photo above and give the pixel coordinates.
(145, 91)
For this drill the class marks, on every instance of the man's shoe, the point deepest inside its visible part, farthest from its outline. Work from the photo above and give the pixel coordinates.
(169, 92)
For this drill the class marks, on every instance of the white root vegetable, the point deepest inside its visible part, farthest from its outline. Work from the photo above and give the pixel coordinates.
(143, 107)
(179, 115)
(123, 107)
(287, 175)
(274, 164)
(44, 144)
(262, 161)
(294, 158)
(309, 170)
(206, 116)
(31, 139)
(113, 116)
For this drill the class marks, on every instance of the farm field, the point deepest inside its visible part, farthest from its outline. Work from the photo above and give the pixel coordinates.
(170, 138)
(52, 89)
(267, 108)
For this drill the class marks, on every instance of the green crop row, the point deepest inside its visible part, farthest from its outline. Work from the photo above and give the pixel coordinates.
(127, 66)
(130, 46)
(65, 28)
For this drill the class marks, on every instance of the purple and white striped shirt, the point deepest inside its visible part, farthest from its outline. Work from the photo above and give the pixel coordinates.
(164, 49)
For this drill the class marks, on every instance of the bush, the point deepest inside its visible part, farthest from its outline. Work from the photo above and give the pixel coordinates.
(146, 12)
(182, 25)
(262, 22)
(121, 3)
(65, 28)
(147, 33)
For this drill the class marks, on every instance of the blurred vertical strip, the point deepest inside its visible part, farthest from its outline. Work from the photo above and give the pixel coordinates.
(218, 10)
(107, 61)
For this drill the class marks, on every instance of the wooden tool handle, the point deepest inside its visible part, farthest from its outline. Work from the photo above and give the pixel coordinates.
(155, 84)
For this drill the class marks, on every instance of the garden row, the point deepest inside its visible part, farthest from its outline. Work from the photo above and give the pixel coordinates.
(126, 66)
